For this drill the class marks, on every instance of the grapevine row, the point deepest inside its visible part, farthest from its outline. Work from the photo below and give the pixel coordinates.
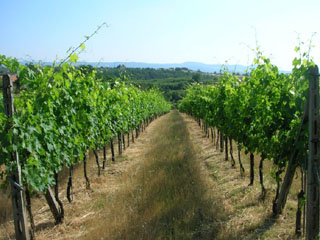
(263, 112)
(61, 113)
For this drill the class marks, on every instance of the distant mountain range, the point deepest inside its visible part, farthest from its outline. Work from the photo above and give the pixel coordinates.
(194, 66)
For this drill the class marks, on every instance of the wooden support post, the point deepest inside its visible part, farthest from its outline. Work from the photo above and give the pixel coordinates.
(313, 160)
(18, 205)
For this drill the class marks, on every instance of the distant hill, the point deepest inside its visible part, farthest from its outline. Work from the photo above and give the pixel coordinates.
(194, 66)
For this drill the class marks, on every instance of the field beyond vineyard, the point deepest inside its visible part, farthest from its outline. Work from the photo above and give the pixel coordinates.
(171, 183)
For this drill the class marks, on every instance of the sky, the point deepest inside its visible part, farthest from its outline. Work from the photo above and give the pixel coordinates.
(160, 31)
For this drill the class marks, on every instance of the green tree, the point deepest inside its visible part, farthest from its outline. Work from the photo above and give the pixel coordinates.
(196, 77)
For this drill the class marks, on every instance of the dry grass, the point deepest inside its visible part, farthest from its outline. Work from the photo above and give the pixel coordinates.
(5, 207)
(164, 197)
(248, 217)
(5, 202)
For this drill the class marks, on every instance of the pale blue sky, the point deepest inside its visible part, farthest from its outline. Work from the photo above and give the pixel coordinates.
(159, 31)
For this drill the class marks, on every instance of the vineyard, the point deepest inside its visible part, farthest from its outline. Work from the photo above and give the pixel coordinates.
(55, 117)
(61, 113)
(266, 113)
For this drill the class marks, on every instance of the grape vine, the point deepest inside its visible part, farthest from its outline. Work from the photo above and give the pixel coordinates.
(262, 112)
(63, 112)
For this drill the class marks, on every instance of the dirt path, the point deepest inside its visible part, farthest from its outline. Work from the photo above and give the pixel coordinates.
(164, 196)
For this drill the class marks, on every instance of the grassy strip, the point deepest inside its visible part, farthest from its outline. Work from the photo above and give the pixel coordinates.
(165, 197)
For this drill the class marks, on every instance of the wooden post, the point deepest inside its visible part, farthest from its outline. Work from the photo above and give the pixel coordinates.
(313, 159)
(18, 205)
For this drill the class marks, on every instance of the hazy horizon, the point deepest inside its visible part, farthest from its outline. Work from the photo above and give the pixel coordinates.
(160, 32)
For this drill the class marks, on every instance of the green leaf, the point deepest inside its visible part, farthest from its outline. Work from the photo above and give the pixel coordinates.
(73, 58)
(83, 47)
(31, 161)
(29, 106)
